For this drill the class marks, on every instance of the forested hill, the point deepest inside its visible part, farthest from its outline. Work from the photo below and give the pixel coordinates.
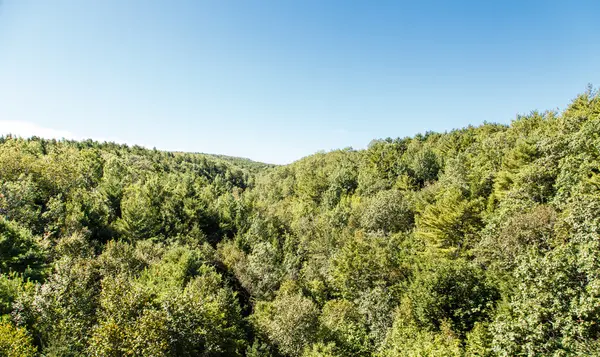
(483, 241)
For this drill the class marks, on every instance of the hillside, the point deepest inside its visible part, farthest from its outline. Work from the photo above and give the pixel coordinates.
(482, 241)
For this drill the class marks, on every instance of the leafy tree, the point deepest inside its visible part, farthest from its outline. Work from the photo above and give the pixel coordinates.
(479, 341)
(290, 321)
(15, 342)
(377, 308)
(453, 293)
(364, 262)
(407, 339)
(555, 306)
(320, 349)
(20, 251)
(20, 201)
(12, 287)
(522, 232)
(140, 209)
(62, 312)
(346, 326)
(425, 166)
(388, 211)
(129, 325)
(452, 222)
(205, 319)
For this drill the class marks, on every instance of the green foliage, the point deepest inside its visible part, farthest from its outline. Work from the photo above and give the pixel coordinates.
(20, 251)
(556, 303)
(128, 325)
(387, 211)
(452, 222)
(425, 166)
(481, 241)
(20, 201)
(205, 319)
(141, 211)
(406, 339)
(176, 307)
(367, 261)
(344, 325)
(290, 321)
(521, 232)
(479, 341)
(260, 271)
(320, 349)
(12, 287)
(453, 293)
(15, 342)
(63, 310)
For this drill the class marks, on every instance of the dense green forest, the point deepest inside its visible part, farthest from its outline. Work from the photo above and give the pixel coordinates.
(482, 241)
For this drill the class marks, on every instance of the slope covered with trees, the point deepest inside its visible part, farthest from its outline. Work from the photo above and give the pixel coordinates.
(483, 241)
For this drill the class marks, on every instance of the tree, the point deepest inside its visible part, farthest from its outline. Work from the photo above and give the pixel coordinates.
(407, 339)
(15, 342)
(367, 261)
(556, 303)
(452, 222)
(12, 287)
(522, 232)
(63, 310)
(204, 319)
(20, 251)
(320, 349)
(129, 324)
(453, 293)
(388, 211)
(346, 326)
(290, 321)
(141, 211)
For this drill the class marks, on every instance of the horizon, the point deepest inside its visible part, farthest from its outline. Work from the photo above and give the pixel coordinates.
(51, 134)
(275, 82)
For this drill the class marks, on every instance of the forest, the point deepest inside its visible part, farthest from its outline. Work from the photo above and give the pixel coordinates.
(480, 241)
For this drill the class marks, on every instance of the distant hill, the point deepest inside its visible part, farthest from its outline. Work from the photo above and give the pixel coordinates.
(242, 162)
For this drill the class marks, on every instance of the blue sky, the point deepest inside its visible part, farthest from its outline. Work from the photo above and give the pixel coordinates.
(278, 80)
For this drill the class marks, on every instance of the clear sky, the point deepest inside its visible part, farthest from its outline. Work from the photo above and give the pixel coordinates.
(278, 80)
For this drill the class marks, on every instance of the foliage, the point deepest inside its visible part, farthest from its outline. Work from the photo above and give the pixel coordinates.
(451, 222)
(15, 342)
(452, 293)
(290, 321)
(20, 251)
(406, 339)
(481, 241)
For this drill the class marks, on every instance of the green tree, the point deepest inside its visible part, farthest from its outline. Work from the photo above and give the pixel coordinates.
(453, 293)
(290, 321)
(320, 349)
(388, 211)
(15, 342)
(407, 339)
(20, 251)
(452, 222)
(346, 326)
(129, 324)
(555, 308)
(366, 261)
(141, 211)
(12, 287)
(63, 310)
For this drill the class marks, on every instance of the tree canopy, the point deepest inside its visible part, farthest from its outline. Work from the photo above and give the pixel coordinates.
(481, 241)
